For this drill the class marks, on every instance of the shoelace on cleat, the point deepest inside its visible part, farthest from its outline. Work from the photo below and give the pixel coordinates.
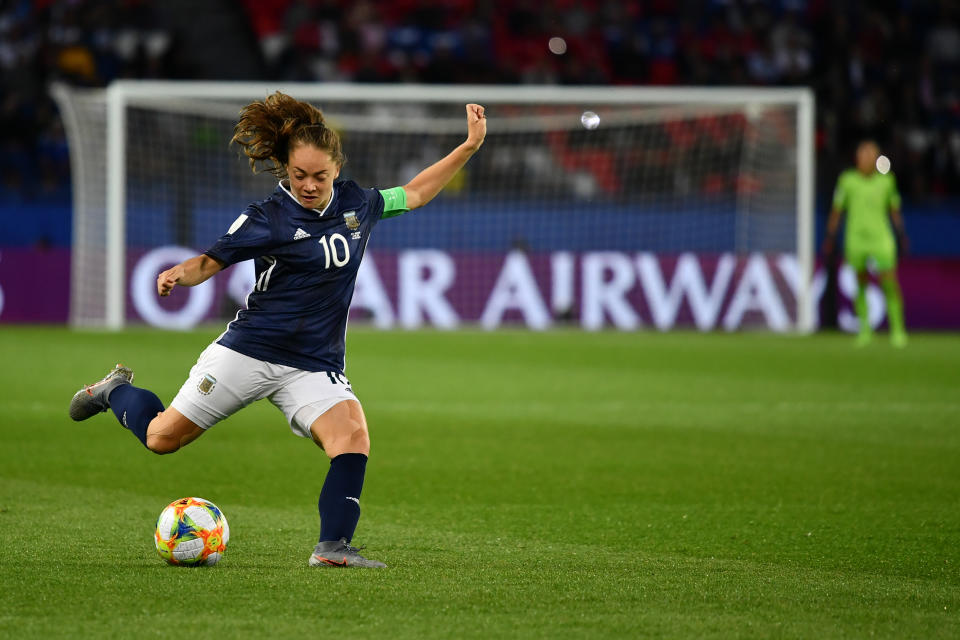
(105, 378)
(353, 550)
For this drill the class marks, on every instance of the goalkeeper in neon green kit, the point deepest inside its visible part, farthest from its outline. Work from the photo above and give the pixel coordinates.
(871, 202)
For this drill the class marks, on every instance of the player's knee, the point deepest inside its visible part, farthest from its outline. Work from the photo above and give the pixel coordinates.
(360, 440)
(351, 437)
(354, 438)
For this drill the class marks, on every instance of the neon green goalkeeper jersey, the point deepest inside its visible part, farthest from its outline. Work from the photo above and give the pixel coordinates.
(867, 201)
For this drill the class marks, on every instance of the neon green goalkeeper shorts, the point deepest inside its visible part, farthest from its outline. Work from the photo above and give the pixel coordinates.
(879, 254)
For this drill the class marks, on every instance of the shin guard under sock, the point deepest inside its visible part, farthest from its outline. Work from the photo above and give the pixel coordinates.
(339, 502)
(135, 408)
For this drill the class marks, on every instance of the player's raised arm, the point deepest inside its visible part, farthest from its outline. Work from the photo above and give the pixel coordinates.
(188, 273)
(429, 182)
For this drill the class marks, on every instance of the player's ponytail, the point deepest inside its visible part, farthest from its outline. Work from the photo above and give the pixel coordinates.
(268, 130)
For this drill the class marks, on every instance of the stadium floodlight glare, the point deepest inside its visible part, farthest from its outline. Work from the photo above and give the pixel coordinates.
(566, 172)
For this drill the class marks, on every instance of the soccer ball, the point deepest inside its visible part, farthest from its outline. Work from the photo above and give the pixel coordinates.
(192, 532)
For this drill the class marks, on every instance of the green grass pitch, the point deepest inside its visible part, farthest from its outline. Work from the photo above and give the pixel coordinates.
(548, 485)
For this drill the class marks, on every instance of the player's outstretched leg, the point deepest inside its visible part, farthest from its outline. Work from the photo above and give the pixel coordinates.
(133, 407)
(891, 290)
(865, 334)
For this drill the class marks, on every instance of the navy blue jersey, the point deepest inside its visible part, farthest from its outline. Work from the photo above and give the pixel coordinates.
(306, 267)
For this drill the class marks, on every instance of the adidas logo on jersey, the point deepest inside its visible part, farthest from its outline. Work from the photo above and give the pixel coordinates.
(300, 234)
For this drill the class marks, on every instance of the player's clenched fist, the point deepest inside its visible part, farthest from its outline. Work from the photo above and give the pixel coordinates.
(476, 125)
(167, 280)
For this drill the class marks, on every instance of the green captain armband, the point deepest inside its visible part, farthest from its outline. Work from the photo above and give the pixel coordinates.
(394, 202)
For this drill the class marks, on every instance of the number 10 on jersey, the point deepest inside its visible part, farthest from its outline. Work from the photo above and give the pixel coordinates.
(331, 252)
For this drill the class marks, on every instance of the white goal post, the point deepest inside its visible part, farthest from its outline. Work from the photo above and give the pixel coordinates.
(722, 174)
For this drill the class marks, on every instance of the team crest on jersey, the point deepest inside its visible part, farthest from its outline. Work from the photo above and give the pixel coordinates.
(207, 383)
(350, 217)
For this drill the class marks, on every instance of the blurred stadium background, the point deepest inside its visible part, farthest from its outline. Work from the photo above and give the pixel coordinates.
(887, 70)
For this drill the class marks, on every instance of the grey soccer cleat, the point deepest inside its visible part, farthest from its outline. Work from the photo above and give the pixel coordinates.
(339, 553)
(92, 399)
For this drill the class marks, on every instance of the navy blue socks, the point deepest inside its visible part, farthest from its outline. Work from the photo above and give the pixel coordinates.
(135, 408)
(339, 502)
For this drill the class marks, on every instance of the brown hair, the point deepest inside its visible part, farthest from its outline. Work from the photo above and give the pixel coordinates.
(268, 130)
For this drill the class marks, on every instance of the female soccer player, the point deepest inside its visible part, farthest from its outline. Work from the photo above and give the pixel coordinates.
(307, 240)
(872, 202)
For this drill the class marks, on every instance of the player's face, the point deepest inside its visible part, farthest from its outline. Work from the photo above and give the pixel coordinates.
(312, 172)
(867, 155)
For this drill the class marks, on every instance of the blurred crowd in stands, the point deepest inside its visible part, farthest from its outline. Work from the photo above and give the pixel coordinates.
(887, 69)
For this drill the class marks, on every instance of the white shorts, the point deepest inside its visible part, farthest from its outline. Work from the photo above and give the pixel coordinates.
(224, 381)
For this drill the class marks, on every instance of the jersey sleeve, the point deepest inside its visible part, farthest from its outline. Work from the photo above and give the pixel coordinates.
(248, 237)
(394, 202)
(840, 193)
(894, 193)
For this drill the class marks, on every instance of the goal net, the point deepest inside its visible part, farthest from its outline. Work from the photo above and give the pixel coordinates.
(595, 207)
